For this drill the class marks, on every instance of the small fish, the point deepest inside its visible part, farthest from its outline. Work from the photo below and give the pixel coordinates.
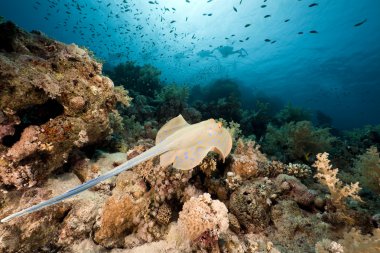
(187, 1)
(267, 40)
(210, 14)
(287, 20)
(234, 8)
(247, 38)
(313, 4)
(263, 6)
(300, 33)
(151, 2)
(241, 40)
(266, 16)
(173, 21)
(247, 25)
(360, 23)
(273, 42)
(313, 31)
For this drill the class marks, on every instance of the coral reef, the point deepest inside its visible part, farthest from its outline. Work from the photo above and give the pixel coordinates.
(53, 100)
(56, 108)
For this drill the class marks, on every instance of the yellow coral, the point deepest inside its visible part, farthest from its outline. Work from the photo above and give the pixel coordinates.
(354, 242)
(327, 176)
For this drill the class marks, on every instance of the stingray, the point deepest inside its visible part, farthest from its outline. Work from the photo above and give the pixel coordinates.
(177, 142)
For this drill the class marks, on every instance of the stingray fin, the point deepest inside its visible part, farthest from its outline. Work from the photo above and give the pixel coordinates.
(170, 127)
(167, 158)
(223, 144)
(186, 159)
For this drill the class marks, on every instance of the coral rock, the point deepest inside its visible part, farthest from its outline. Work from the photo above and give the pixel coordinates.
(203, 217)
(122, 209)
(249, 203)
(297, 191)
(49, 91)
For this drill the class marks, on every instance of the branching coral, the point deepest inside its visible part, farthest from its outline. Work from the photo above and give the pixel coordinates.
(328, 176)
(298, 170)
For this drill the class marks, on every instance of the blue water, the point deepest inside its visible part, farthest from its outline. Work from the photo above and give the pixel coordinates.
(333, 66)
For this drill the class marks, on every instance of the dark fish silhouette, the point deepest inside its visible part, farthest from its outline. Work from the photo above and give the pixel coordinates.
(300, 32)
(287, 20)
(267, 40)
(247, 25)
(234, 9)
(313, 4)
(266, 16)
(360, 23)
(313, 31)
(263, 6)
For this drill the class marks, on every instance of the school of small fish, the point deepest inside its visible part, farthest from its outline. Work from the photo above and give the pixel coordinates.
(140, 23)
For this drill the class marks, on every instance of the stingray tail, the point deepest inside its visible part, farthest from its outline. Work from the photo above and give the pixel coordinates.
(156, 150)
